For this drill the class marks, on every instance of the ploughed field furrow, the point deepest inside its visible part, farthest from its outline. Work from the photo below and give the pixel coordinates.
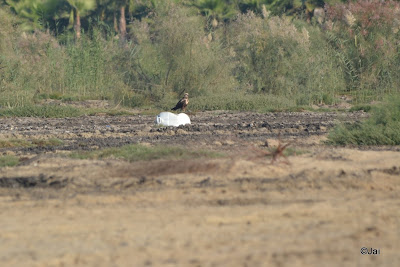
(40, 181)
(45, 126)
(203, 120)
(203, 127)
(94, 132)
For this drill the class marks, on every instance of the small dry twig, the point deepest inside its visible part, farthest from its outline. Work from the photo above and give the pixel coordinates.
(276, 153)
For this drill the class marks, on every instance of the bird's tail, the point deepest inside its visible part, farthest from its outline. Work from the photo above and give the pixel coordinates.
(175, 108)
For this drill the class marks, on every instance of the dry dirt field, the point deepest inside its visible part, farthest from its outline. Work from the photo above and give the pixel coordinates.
(316, 208)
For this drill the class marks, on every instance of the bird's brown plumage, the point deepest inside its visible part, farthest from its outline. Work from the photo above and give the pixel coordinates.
(182, 104)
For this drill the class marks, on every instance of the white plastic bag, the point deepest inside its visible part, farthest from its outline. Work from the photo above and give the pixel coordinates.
(171, 119)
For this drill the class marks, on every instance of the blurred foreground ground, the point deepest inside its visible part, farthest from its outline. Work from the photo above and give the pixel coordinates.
(315, 209)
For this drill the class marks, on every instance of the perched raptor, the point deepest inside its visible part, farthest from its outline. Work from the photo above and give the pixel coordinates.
(182, 104)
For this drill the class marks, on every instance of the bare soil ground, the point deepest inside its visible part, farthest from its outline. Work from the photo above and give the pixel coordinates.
(318, 208)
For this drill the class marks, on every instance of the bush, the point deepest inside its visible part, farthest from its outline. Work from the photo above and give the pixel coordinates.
(173, 55)
(274, 56)
(364, 35)
(381, 128)
(35, 65)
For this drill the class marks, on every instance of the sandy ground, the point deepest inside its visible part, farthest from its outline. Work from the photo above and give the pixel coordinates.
(315, 209)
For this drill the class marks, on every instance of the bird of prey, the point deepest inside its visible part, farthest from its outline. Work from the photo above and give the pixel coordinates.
(182, 104)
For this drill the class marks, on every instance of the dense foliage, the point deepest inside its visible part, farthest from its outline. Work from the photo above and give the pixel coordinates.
(381, 128)
(59, 15)
(244, 55)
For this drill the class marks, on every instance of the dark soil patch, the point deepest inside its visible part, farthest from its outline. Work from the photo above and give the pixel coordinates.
(94, 132)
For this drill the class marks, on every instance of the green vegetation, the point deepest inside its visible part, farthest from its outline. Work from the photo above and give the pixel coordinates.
(67, 15)
(41, 111)
(58, 111)
(141, 152)
(14, 143)
(8, 161)
(105, 111)
(240, 55)
(239, 101)
(364, 37)
(363, 107)
(30, 143)
(381, 128)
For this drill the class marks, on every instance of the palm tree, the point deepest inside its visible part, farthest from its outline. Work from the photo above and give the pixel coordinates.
(216, 9)
(114, 7)
(36, 12)
(80, 8)
(122, 4)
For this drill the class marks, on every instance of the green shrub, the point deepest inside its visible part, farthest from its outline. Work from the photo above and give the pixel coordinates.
(34, 66)
(364, 36)
(278, 57)
(173, 55)
(381, 128)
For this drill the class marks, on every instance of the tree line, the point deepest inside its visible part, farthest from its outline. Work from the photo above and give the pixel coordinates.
(244, 53)
(60, 16)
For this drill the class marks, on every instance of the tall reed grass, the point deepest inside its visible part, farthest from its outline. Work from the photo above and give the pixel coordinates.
(36, 65)
(364, 36)
(249, 63)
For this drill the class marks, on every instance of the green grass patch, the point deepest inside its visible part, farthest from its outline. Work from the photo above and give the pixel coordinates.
(381, 128)
(139, 152)
(8, 161)
(109, 112)
(67, 97)
(14, 143)
(58, 111)
(55, 96)
(236, 101)
(41, 111)
(363, 107)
